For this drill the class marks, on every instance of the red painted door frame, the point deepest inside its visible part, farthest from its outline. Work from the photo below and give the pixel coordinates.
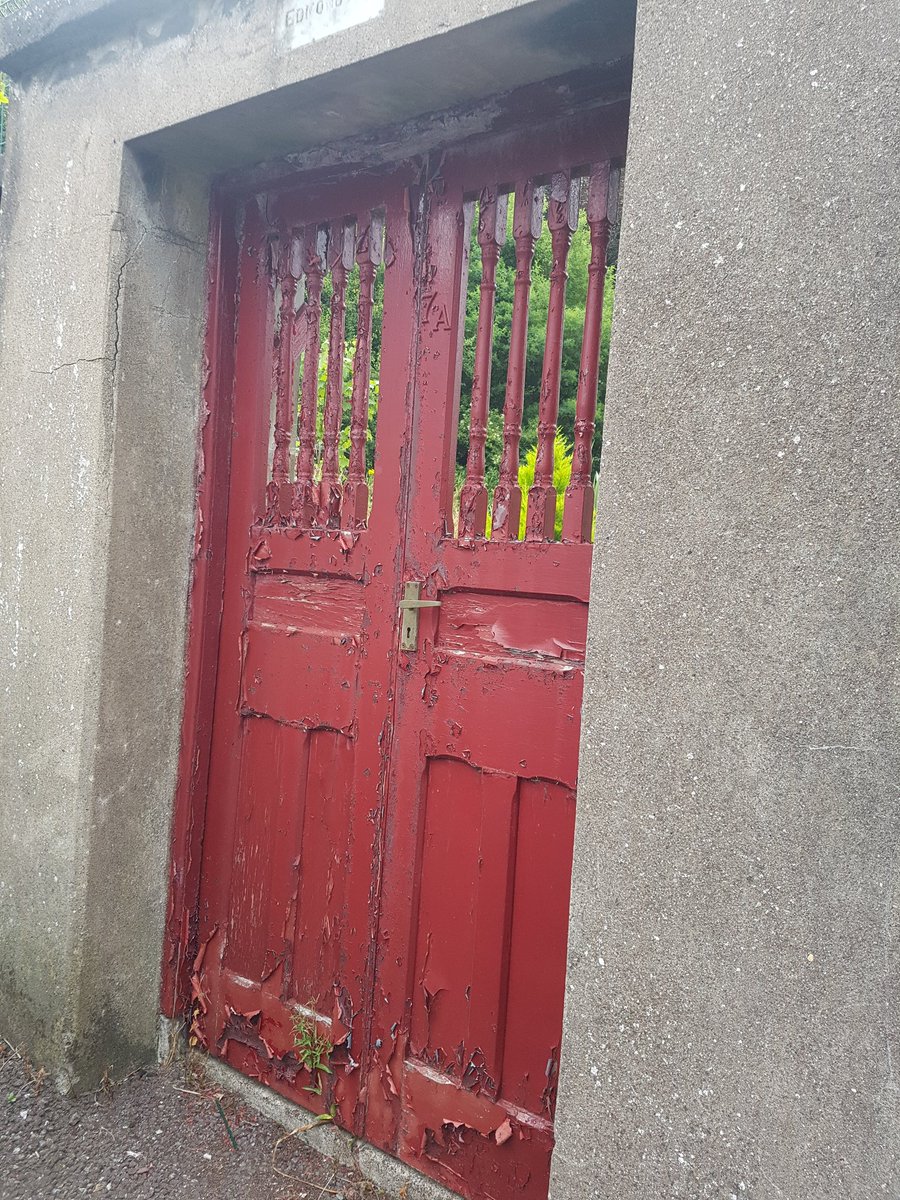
(391, 1100)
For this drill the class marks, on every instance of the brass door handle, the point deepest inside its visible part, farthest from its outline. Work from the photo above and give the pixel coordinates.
(409, 607)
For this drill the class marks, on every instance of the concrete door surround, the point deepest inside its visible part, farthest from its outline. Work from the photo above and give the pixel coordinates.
(731, 1021)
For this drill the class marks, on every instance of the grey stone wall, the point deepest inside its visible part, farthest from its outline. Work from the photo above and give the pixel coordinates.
(123, 110)
(733, 1019)
(732, 1008)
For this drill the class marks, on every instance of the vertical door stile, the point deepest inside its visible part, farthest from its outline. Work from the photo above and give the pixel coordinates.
(397, 242)
(249, 469)
(186, 880)
(443, 224)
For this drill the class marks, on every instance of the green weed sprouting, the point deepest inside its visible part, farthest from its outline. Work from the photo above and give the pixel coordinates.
(313, 1050)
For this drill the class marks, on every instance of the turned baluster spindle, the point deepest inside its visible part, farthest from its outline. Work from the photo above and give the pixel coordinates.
(562, 221)
(305, 497)
(507, 505)
(579, 504)
(340, 262)
(491, 235)
(280, 491)
(356, 490)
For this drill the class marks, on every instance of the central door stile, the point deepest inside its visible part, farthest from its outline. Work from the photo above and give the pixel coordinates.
(396, 433)
(434, 384)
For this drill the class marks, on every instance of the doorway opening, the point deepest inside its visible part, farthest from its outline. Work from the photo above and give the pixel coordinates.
(381, 746)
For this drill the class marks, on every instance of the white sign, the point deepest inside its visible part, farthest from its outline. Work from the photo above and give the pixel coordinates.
(303, 21)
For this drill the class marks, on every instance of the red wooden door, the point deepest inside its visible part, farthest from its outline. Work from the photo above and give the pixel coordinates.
(383, 891)
(303, 695)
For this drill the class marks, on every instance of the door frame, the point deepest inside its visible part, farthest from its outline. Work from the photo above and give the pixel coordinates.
(183, 949)
(544, 101)
(213, 465)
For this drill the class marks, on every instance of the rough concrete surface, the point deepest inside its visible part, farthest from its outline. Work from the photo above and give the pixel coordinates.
(121, 111)
(732, 1009)
(157, 1134)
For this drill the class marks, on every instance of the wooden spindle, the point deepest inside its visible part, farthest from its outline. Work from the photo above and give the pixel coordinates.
(305, 490)
(491, 235)
(578, 514)
(280, 492)
(562, 221)
(356, 490)
(507, 494)
(340, 261)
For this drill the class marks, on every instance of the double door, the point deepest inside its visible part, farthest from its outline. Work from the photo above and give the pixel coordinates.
(395, 676)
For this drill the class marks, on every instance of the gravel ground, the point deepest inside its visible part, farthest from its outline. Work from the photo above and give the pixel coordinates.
(157, 1134)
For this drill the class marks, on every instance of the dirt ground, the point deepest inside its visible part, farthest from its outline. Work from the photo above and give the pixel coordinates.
(157, 1134)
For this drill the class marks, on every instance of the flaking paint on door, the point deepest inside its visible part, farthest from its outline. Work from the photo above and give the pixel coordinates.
(383, 865)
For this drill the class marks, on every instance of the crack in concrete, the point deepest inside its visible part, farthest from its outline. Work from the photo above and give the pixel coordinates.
(75, 363)
(120, 283)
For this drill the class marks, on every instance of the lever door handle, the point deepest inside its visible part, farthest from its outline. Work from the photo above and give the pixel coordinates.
(409, 608)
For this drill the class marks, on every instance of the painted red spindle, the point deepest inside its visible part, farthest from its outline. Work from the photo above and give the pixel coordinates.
(340, 261)
(562, 221)
(280, 492)
(305, 490)
(356, 490)
(491, 236)
(507, 494)
(578, 514)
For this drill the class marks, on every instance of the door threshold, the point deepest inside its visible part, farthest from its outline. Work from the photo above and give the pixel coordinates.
(384, 1171)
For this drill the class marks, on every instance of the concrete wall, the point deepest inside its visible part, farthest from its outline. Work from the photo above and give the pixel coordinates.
(123, 110)
(100, 323)
(733, 1018)
(732, 1012)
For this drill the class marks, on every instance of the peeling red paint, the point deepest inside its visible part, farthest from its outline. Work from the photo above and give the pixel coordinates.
(374, 839)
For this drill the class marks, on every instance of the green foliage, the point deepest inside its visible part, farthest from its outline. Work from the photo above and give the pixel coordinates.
(562, 470)
(313, 1049)
(576, 299)
(350, 332)
(346, 389)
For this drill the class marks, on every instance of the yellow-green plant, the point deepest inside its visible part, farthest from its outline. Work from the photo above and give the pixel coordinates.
(562, 472)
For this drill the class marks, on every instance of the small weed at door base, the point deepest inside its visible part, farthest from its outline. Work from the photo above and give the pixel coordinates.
(313, 1050)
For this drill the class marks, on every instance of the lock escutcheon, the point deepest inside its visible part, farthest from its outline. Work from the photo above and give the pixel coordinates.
(409, 614)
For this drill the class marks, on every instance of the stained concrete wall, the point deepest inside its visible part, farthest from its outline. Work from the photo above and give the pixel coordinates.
(733, 1018)
(123, 110)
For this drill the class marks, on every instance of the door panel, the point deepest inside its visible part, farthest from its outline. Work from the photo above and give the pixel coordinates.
(303, 702)
(474, 901)
(388, 833)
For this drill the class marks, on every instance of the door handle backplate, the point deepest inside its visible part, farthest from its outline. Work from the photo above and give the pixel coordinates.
(409, 614)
